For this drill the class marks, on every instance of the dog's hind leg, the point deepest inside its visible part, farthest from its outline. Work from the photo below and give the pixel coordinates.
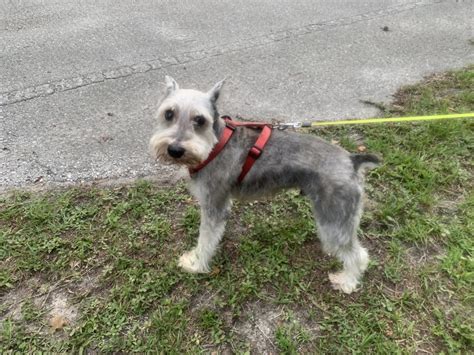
(213, 221)
(337, 215)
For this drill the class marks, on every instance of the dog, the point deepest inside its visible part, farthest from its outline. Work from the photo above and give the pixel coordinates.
(189, 128)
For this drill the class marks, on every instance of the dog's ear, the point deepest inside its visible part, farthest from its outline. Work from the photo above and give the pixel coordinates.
(215, 91)
(171, 85)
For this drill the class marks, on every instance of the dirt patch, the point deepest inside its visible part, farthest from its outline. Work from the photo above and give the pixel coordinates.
(419, 256)
(11, 305)
(12, 302)
(62, 311)
(90, 282)
(259, 327)
(261, 322)
(50, 302)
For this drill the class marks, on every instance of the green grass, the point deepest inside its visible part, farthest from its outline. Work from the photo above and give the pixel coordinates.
(104, 259)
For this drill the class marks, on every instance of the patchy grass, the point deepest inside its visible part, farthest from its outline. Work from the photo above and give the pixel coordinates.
(89, 269)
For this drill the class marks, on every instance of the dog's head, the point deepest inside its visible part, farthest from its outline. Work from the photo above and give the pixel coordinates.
(187, 125)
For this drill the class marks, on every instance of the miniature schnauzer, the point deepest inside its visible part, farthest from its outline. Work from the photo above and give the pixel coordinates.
(189, 127)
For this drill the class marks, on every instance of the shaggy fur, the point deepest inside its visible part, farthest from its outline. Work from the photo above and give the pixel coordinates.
(328, 175)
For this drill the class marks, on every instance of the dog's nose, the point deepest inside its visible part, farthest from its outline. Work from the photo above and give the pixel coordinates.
(175, 151)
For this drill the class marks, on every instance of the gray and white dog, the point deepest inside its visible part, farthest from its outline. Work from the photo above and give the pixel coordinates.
(188, 128)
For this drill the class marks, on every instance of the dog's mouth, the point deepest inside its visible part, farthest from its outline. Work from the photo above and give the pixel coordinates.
(187, 160)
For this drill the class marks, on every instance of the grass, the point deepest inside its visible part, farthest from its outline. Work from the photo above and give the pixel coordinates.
(103, 260)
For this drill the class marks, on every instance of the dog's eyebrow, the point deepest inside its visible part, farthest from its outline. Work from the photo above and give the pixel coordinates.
(198, 114)
(165, 108)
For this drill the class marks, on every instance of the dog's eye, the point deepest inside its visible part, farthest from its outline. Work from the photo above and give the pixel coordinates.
(199, 120)
(169, 115)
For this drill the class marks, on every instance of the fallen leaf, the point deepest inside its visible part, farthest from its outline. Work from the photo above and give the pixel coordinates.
(57, 322)
(215, 271)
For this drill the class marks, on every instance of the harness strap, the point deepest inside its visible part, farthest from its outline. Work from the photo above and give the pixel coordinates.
(226, 135)
(254, 152)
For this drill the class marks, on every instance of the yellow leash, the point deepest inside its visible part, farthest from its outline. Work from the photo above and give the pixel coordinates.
(374, 120)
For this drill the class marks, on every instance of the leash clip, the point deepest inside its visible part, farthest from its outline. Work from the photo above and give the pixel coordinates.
(286, 125)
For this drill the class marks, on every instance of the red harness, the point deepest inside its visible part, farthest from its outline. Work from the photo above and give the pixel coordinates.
(254, 152)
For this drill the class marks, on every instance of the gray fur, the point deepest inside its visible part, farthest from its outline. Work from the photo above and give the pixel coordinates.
(327, 174)
(361, 161)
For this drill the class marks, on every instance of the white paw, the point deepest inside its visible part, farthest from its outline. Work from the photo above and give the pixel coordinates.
(343, 282)
(190, 262)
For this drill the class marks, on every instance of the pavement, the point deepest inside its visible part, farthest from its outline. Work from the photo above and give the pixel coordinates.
(80, 80)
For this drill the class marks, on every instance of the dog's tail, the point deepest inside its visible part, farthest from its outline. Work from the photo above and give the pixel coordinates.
(364, 161)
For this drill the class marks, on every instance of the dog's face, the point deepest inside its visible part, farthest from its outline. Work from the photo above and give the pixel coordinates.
(186, 118)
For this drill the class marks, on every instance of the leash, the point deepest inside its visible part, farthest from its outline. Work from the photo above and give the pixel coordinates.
(266, 131)
(309, 124)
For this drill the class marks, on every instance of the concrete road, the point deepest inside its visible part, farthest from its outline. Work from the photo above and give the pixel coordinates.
(79, 80)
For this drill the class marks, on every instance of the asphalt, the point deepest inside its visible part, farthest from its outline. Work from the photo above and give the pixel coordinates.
(79, 80)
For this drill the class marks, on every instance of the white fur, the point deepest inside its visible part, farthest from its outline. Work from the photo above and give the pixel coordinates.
(211, 231)
(185, 104)
(355, 263)
(197, 260)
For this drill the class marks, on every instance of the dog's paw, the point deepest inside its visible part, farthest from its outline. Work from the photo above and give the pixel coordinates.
(343, 282)
(190, 262)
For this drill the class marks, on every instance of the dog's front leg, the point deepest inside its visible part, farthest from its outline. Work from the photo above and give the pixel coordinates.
(213, 220)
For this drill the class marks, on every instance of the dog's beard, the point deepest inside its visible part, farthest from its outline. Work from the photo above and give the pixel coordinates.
(195, 151)
(159, 148)
(187, 160)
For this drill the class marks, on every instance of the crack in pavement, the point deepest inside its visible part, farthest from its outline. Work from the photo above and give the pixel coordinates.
(72, 83)
(48, 169)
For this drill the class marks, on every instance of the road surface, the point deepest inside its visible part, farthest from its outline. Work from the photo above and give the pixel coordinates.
(79, 80)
